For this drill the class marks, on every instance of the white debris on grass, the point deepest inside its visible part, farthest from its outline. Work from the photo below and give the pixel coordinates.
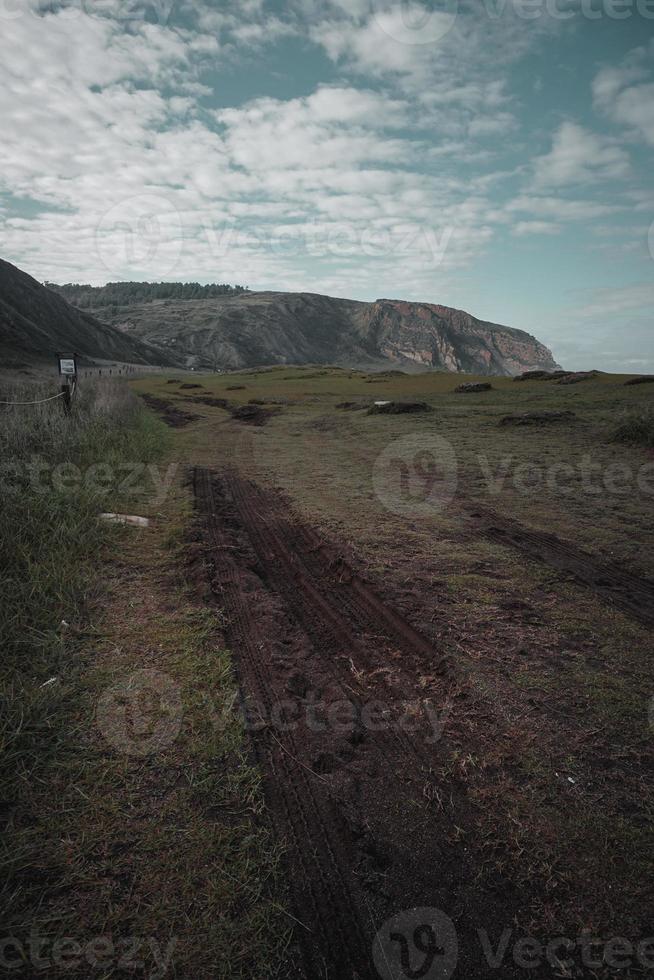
(131, 519)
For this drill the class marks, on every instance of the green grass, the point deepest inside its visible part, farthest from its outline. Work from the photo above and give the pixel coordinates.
(50, 535)
(172, 847)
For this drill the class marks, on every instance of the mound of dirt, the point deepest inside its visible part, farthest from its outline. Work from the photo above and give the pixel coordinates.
(541, 375)
(538, 418)
(574, 377)
(252, 414)
(175, 417)
(191, 384)
(235, 387)
(473, 386)
(173, 381)
(398, 408)
(642, 379)
(351, 406)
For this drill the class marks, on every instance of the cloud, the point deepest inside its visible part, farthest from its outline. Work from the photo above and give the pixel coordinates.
(635, 297)
(625, 94)
(535, 228)
(560, 208)
(579, 156)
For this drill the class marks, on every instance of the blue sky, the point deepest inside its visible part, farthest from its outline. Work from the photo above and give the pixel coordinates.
(495, 156)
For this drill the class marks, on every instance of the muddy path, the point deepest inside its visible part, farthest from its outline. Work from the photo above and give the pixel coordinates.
(344, 703)
(628, 592)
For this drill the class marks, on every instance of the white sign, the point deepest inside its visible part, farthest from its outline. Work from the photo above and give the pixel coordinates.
(67, 365)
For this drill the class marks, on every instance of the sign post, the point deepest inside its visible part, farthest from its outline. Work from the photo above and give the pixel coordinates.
(68, 374)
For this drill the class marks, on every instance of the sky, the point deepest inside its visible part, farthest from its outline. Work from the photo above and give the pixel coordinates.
(493, 155)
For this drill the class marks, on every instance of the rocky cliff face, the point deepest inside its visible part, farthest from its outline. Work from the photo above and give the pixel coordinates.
(435, 336)
(252, 329)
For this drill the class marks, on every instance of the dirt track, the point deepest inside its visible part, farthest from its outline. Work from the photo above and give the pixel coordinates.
(630, 593)
(352, 793)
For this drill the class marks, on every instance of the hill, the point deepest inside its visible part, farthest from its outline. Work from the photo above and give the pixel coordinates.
(246, 329)
(36, 322)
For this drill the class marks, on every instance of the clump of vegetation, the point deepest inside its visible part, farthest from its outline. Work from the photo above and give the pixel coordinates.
(636, 427)
(117, 294)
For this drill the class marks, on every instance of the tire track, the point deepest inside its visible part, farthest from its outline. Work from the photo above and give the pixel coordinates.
(303, 818)
(630, 593)
(348, 823)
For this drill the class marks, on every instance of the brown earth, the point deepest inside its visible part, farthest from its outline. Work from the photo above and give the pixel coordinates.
(406, 806)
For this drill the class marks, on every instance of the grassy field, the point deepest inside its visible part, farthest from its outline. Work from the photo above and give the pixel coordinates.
(558, 737)
(135, 811)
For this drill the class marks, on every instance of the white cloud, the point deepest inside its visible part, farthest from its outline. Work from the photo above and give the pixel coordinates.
(536, 228)
(580, 157)
(560, 208)
(626, 95)
(620, 299)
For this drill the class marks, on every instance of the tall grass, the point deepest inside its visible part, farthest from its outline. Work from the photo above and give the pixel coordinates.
(50, 540)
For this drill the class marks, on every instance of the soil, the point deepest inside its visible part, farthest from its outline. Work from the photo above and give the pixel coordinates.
(170, 414)
(252, 414)
(351, 788)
